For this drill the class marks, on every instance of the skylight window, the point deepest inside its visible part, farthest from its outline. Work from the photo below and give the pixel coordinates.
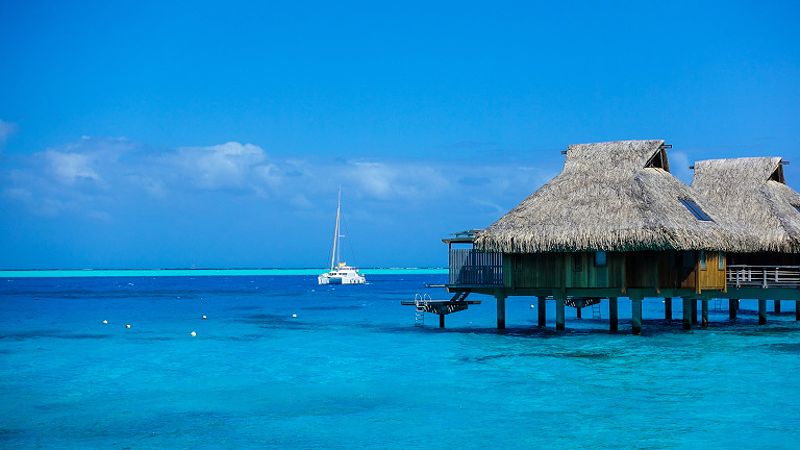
(696, 210)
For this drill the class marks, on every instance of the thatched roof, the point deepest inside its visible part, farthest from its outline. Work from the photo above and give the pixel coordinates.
(613, 196)
(752, 192)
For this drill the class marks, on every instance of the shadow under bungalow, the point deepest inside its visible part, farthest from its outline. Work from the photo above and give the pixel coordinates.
(616, 223)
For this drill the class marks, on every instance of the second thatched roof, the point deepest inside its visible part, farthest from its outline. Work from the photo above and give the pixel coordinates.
(753, 193)
(612, 196)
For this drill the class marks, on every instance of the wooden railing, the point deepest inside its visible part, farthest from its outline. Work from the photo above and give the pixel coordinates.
(475, 268)
(763, 276)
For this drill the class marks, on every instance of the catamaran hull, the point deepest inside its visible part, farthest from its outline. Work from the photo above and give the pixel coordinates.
(354, 279)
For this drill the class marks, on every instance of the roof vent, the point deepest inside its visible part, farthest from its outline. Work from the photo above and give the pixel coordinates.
(777, 175)
(659, 160)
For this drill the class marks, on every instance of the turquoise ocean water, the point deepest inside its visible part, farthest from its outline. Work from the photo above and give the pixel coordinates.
(352, 371)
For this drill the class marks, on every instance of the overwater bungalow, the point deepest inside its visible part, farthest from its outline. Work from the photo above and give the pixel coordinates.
(616, 223)
(754, 194)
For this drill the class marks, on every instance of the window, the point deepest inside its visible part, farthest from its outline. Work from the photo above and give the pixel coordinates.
(702, 260)
(696, 211)
(721, 259)
(600, 259)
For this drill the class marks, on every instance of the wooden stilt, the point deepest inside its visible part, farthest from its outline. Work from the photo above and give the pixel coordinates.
(668, 309)
(762, 312)
(613, 314)
(578, 312)
(687, 313)
(776, 306)
(733, 308)
(797, 310)
(441, 320)
(704, 321)
(636, 315)
(560, 325)
(694, 311)
(542, 313)
(501, 312)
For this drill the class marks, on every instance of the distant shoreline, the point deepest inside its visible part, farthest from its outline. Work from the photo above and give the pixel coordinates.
(75, 273)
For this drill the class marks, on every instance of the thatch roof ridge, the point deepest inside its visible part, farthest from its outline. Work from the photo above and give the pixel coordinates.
(752, 193)
(614, 155)
(608, 198)
(755, 169)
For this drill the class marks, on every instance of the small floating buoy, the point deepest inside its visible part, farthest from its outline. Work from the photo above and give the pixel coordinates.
(533, 306)
(127, 325)
(105, 322)
(204, 317)
(193, 333)
(294, 316)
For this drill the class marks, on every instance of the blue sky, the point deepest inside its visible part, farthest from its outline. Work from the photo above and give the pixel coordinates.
(147, 134)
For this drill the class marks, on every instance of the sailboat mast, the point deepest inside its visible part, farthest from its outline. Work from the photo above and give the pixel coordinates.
(336, 230)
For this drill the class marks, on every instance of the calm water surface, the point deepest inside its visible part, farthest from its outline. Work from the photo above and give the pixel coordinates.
(352, 370)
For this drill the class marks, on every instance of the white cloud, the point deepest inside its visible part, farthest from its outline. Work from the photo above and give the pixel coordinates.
(231, 165)
(374, 178)
(96, 177)
(69, 168)
(405, 180)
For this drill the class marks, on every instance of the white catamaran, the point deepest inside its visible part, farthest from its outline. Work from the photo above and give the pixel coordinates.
(340, 272)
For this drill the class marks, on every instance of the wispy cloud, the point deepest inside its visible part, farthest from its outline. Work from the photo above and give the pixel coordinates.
(6, 130)
(396, 180)
(70, 167)
(231, 165)
(92, 176)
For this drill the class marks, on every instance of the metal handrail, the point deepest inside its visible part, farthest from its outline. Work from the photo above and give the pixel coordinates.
(741, 275)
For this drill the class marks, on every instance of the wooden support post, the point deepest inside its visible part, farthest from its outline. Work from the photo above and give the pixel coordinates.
(542, 312)
(704, 321)
(578, 312)
(733, 308)
(694, 311)
(501, 312)
(776, 306)
(613, 314)
(762, 312)
(636, 315)
(560, 314)
(668, 309)
(687, 313)
(441, 320)
(797, 310)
